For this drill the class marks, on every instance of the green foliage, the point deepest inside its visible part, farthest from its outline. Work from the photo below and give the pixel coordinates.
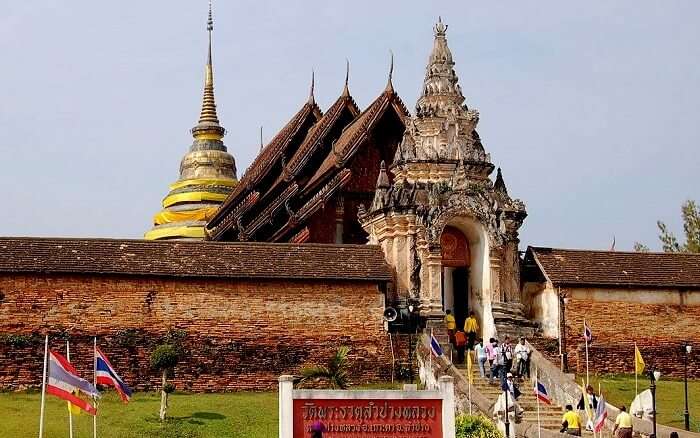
(475, 426)
(127, 337)
(640, 247)
(691, 229)
(168, 388)
(335, 373)
(164, 357)
(18, 340)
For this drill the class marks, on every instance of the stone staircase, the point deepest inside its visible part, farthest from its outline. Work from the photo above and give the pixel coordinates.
(550, 415)
(510, 320)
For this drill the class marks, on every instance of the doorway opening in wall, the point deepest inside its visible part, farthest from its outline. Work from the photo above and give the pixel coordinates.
(455, 273)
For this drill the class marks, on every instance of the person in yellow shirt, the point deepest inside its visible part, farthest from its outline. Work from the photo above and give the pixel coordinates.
(451, 324)
(623, 424)
(471, 327)
(570, 423)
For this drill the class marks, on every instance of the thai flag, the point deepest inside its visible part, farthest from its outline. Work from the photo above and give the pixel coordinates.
(587, 333)
(435, 346)
(600, 414)
(63, 381)
(105, 375)
(541, 393)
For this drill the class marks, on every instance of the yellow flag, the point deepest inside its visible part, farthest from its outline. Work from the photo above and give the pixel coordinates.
(73, 409)
(638, 361)
(470, 374)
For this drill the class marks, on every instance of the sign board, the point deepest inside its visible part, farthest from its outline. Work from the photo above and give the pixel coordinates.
(372, 413)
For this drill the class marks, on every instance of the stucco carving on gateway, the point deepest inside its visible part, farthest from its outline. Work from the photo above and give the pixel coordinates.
(440, 177)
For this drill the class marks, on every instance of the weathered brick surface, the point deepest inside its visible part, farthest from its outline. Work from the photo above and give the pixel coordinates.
(658, 330)
(237, 335)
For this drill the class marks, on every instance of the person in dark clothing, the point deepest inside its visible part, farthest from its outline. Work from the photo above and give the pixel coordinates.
(460, 344)
(592, 400)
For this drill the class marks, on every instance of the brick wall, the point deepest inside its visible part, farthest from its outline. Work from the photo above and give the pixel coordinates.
(236, 335)
(658, 329)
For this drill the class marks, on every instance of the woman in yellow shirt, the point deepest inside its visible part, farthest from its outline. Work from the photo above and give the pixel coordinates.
(623, 424)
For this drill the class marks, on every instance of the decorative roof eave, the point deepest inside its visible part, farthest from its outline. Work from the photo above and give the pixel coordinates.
(262, 163)
(232, 217)
(269, 211)
(354, 134)
(313, 204)
(319, 131)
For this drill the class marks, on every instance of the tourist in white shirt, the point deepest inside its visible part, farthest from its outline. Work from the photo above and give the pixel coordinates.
(522, 356)
(481, 357)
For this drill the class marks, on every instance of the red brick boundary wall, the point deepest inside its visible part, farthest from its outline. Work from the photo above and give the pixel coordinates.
(235, 334)
(660, 331)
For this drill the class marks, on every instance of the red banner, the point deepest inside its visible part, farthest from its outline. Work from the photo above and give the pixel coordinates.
(352, 418)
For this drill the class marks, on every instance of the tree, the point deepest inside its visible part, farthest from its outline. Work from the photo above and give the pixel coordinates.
(164, 358)
(691, 228)
(335, 373)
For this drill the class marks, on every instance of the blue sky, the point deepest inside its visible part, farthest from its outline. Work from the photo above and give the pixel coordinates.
(590, 108)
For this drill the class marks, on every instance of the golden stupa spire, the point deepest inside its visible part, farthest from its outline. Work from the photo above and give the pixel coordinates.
(208, 126)
(207, 172)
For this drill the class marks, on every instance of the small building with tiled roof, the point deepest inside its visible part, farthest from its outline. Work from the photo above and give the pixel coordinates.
(651, 299)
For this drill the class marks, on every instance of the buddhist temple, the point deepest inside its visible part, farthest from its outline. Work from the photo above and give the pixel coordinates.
(307, 184)
(450, 233)
(207, 172)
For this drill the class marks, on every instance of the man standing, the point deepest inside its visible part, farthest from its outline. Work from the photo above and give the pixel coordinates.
(497, 363)
(451, 324)
(481, 357)
(460, 344)
(623, 424)
(522, 357)
(570, 423)
(471, 327)
(508, 354)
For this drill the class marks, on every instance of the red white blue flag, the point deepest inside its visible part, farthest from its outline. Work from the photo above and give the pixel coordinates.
(587, 333)
(63, 382)
(601, 414)
(435, 346)
(541, 393)
(105, 375)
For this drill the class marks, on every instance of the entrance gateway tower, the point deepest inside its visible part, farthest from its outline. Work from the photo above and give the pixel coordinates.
(449, 231)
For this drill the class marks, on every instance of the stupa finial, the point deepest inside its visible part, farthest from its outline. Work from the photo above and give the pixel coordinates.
(208, 126)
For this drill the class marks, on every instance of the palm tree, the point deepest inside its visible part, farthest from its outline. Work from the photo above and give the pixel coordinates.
(335, 373)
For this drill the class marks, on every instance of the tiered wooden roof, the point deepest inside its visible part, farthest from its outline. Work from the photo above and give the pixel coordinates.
(306, 166)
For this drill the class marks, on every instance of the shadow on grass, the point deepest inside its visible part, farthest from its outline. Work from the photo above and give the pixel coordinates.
(208, 416)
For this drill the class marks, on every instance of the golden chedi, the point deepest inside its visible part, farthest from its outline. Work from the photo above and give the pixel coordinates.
(207, 173)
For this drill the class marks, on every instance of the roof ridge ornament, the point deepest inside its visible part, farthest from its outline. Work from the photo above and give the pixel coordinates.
(312, 98)
(346, 88)
(389, 84)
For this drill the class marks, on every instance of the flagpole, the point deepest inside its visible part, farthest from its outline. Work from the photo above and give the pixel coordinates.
(70, 412)
(586, 339)
(428, 378)
(94, 382)
(537, 396)
(636, 378)
(470, 370)
(43, 387)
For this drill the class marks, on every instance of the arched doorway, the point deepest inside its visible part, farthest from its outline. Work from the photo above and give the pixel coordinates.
(456, 259)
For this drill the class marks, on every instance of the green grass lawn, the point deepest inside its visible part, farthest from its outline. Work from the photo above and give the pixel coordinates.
(244, 415)
(670, 401)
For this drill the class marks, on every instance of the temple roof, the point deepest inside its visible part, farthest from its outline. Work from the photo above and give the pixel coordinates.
(265, 162)
(348, 142)
(576, 267)
(20, 255)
